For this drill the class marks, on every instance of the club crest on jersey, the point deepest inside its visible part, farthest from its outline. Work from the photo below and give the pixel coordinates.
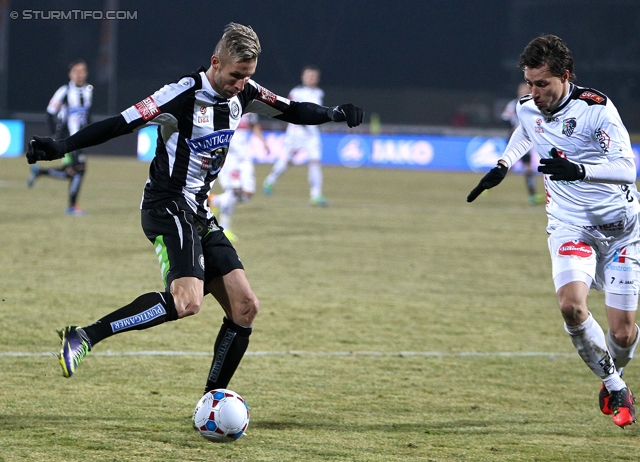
(576, 249)
(568, 126)
(209, 143)
(603, 139)
(234, 110)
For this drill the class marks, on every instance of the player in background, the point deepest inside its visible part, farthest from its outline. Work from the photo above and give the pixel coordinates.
(298, 137)
(196, 118)
(68, 112)
(237, 178)
(509, 115)
(592, 210)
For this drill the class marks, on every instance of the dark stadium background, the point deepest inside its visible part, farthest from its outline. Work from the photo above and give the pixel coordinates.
(411, 62)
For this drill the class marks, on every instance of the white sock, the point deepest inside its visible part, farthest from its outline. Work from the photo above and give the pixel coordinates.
(589, 340)
(621, 356)
(227, 208)
(278, 169)
(315, 179)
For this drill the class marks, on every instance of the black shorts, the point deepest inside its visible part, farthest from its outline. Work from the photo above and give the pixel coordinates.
(187, 247)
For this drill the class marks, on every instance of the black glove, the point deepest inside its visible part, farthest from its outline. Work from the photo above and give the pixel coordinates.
(347, 113)
(491, 179)
(45, 148)
(561, 169)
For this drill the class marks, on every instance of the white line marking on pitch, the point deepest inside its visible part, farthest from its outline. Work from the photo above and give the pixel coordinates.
(462, 354)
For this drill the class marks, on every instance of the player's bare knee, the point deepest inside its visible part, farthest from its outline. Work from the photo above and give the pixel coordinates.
(624, 336)
(188, 307)
(245, 312)
(573, 313)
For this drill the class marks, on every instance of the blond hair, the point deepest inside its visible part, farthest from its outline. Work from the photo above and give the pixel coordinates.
(239, 43)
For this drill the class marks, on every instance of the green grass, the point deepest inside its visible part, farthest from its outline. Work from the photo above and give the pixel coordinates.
(398, 263)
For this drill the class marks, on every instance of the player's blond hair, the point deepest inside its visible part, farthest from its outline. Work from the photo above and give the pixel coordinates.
(239, 43)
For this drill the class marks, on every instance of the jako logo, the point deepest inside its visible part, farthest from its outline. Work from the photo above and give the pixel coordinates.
(353, 151)
(483, 153)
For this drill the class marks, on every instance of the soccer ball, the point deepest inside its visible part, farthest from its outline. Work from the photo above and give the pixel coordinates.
(221, 416)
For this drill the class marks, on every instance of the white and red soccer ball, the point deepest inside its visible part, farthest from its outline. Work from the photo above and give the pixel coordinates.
(221, 416)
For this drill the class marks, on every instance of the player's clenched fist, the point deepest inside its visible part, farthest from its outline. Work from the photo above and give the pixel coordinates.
(45, 148)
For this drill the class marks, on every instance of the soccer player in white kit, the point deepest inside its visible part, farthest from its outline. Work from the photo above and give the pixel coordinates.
(592, 209)
(237, 178)
(307, 137)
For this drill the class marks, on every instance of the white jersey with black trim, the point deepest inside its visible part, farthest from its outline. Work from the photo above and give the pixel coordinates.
(305, 94)
(240, 145)
(585, 128)
(195, 128)
(71, 105)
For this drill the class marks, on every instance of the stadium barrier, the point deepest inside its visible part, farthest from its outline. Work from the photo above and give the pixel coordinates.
(416, 152)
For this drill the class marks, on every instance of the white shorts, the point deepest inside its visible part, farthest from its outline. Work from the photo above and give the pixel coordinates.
(238, 173)
(310, 144)
(605, 257)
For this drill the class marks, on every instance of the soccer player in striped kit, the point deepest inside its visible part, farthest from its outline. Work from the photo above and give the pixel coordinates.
(196, 117)
(68, 112)
(592, 210)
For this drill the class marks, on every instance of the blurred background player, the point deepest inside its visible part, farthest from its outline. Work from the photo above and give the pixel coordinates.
(509, 115)
(68, 112)
(307, 137)
(237, 178)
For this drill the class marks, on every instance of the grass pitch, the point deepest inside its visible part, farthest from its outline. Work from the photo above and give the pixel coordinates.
(398, 324)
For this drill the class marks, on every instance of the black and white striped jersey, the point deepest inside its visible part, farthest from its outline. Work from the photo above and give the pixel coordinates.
(70, 105)
(195, 127)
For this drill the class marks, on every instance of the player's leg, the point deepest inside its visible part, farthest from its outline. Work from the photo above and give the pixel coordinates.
(574, 266)
(177, 245)
(314, 149)
(227, 282)
(74, 190)
(280, 165)
(621, 279)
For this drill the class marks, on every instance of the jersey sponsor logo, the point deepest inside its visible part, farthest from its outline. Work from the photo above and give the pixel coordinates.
(577, 249)
(568, 126)
(209, 143)
(267, 96)
(538, 128)
(551, 119)
(214, 163)
(591, 96)
(141, 318)
(202, 116)
(603, 139)
(147, 108)
(234, 109)
(620, 255)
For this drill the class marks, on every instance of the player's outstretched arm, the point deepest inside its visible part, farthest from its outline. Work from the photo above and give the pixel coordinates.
(45, 148)
(491, 179)
(305, 113)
